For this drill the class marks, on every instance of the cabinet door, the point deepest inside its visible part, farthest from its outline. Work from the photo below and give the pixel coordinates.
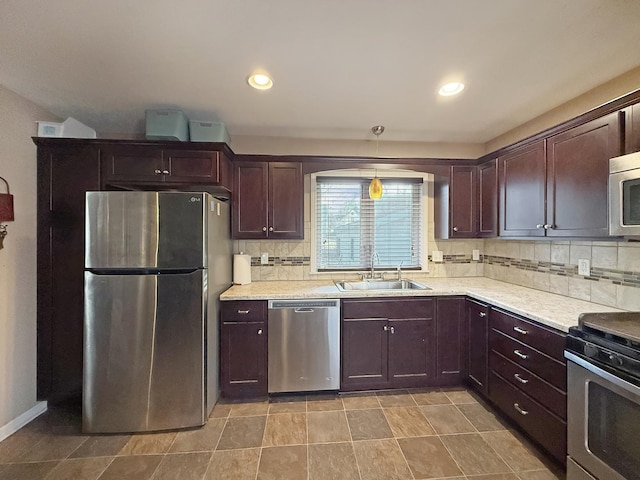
(522, 176)
(64, 175)
(577, 178)
(463, 202)
(194, 166)
(488, 199)
(249, 218)
(364, 354)
(243, 359)
(478, 323)
(451, 324)
(632, 129)
(132, 163)
(411, 352)
(285, 200)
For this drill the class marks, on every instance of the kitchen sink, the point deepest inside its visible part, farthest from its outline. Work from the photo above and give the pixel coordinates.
(346, 286)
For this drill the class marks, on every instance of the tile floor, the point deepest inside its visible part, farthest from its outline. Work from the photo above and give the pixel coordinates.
(389, 435)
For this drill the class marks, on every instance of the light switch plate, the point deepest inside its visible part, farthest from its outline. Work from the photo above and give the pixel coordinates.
(264, 258)
(475, 254)
(584, 267)
(436, 256)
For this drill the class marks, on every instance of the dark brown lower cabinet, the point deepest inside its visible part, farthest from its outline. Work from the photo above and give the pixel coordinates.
(243, 349)
(451, 343)
(387, 343)
(528, 378)
(478, 341)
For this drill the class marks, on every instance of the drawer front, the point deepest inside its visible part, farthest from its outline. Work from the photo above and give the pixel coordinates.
(544, 339)
(544, 427)
(404, 308)
(244, 311)
(549, 396)
(545, 367)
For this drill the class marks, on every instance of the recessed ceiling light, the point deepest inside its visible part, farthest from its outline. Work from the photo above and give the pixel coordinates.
(451, 88)
(260, 81)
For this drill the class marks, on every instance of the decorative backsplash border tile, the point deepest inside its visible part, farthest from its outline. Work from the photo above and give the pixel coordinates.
(616, 277)
(282, 262)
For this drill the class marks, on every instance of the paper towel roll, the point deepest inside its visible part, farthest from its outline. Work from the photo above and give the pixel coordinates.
(241, 269)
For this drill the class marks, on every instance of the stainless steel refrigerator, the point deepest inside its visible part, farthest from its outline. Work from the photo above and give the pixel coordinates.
(155, 265)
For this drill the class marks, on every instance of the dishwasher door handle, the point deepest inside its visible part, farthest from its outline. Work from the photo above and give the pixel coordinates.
(304, 310)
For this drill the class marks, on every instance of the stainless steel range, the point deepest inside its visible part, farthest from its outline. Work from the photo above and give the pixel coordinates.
(603, 397)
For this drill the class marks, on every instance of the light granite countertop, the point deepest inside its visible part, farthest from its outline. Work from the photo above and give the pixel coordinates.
(553, 310)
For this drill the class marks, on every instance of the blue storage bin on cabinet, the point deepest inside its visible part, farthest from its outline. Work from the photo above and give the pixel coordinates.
(208, 132)
(166, 125)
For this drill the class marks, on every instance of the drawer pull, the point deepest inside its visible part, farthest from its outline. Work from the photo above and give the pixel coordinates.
(483, 314)
(520, 330)
(520, 410)
(243, 312)
(520, 379)
(518, 353)
(260, 331)
(157, 172)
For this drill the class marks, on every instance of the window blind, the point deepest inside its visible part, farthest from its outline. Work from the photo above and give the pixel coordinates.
(352, 229)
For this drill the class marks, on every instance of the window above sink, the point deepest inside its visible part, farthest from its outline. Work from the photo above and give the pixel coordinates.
(351, 232)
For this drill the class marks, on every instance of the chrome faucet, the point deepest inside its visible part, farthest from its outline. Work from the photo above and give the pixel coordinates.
(399, 270)
(374, 255)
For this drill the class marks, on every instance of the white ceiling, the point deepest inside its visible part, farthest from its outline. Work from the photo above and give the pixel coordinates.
(339, 66)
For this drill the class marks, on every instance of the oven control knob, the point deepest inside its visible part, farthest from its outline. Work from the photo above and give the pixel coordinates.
(591, 351)
(615, 360)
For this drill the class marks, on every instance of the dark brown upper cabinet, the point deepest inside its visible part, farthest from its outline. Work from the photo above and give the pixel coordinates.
(488, 199)
(268, 200)
(632, 129)
(577, 178)
(557, 187)
(149, 165)
(456, 203)
(522, 174)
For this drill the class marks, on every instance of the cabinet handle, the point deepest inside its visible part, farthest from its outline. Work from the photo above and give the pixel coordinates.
(385, 328)
(520, 330)
(259, 331)
(520, 410)
(393, 330)
(243, 312)
(264, 229)
(523, 356)
(271, 229)
(517, 376)
(157, 172)
(165, 172)
(539, 225)
(482, 314)
(455, 229)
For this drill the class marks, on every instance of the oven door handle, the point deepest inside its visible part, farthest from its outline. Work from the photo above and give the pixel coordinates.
(619, 382)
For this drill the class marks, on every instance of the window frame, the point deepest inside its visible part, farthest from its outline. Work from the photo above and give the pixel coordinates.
(427, 186)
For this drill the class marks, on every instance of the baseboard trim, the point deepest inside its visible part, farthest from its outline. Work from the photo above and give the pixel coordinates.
(17, 423)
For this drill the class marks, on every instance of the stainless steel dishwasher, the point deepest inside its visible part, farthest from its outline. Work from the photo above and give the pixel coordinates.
(304, 345)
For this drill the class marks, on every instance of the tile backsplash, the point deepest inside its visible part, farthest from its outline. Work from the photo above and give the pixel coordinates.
(552, 266)
(549, 265)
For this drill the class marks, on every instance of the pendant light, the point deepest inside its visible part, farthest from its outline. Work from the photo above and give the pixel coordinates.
(375, 187)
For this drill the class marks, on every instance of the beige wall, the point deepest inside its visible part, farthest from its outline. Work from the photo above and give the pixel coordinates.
(18, 258)
(619, 86)
(356, 148)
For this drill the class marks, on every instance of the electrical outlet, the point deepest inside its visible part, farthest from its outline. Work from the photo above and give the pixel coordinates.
(264, 259)
(584, 267)
(475, 255)
(436, 256)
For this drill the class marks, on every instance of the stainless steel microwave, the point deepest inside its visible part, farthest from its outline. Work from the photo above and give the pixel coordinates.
(624, 195)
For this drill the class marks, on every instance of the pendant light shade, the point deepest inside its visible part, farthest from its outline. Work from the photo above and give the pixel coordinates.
(375, 187)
